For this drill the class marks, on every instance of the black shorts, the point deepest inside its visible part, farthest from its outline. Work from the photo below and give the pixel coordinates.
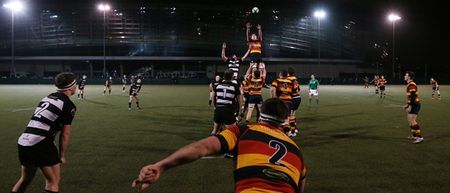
(246, 95)
(255, 57)
(382, 88)
(415, 108)
(44, 153)
(295, 103)
(80, 87)
(435, 88)
(224, 115)
(255, 99)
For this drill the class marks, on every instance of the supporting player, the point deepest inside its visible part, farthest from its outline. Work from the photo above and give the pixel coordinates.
(435, 87)
(255, 95)
(412, 108)
(213, 84)
(81, 85)
(375, 83)
(267, 159)
(233, 63)
(124, 82)
(225, 96)
(108, 85)
(245, 85)
(36, 145)
(296, 100)
(382, 85)
(282, 88)
(313, 89)
(135, 87)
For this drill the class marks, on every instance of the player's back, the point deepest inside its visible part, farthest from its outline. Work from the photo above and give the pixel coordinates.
(226, 93)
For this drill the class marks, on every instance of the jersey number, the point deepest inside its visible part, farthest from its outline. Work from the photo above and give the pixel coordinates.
(44, 106)
(279, 154)
(224, 93)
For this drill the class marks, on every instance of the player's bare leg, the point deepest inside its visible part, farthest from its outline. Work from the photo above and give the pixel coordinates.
(27, 175)
(249, 112)
(137, 102)
(52, 177)
(129, 102)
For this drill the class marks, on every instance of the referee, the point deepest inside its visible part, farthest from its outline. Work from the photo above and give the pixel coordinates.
(36, 145)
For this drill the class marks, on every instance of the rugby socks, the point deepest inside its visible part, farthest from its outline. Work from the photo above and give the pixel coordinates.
(137, 104)
(104, 91)
(48, 191)
(415, 130)
(129, 104)
(82, 95)
(209, 102)
(293, 123)
(109, 91)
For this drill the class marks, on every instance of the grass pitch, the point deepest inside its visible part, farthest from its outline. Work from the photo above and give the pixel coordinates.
(353, 142)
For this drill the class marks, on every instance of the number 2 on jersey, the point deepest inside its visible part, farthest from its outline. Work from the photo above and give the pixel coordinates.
(38, 112)
(279, 154)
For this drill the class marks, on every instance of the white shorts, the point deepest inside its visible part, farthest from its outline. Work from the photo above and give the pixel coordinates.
(313, 92)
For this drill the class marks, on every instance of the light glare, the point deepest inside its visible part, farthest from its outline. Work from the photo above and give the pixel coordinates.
(103, 7)
(393, 17)
(14, 5)
(320, 14)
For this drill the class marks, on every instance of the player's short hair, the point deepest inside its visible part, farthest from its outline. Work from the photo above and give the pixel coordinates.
(274, 111)
(227, 75)
(284, 73)
(291, 71)
(411, 74)
(65, 80)
(257, 73)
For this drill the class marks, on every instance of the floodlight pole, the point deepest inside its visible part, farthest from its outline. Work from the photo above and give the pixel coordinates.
(104, 43)
(318, 39)
(13, 65)
(393, 49)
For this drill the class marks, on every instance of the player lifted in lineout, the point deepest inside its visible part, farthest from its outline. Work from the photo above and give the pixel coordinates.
(81, 85)
(108, 83)
(435, 88)
(135, 87)
(255, 45)
(412, 108)
(382, 85)
(313, 89)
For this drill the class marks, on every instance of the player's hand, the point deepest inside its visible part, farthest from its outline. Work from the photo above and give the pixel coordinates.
(62, 160)
(259, 27)
(224, 45)
(408, 108)
(148, 176)
(248, 25)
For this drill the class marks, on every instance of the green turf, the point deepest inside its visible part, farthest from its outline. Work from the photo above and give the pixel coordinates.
(353, 142)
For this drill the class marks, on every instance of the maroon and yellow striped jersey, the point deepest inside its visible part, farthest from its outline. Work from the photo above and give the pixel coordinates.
(283, 88)
(412, 93)
(267, 159)
(255, 86)
(381, 82)
(296, 86)
(245, 86)
(256, 46)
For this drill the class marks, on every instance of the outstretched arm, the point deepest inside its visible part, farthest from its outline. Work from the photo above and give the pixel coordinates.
(247, 31)
(246, 54)
(259, 32)
(224, 46)
(150, 174)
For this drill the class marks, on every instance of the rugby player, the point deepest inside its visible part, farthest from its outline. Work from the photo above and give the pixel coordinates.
(412, 108)
(267, 159)
(36, 145)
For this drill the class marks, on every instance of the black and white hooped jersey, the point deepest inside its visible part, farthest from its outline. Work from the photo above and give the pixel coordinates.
(233, 66)
(52, 113)
(108, 82)
(81, 83)
(226, 94)
(124, 80)
(135, 88)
